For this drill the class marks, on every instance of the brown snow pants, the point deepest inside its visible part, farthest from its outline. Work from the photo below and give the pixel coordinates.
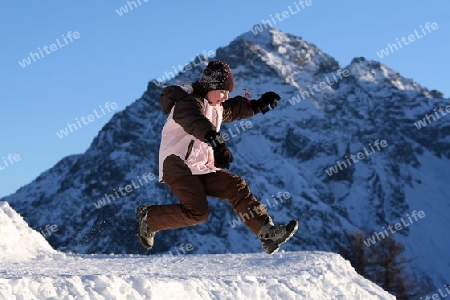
(191, 191)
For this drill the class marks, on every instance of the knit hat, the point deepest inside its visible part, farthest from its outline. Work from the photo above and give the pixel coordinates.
(216, 76)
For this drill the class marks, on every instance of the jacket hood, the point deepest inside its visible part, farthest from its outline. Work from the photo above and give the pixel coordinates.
(172, 94)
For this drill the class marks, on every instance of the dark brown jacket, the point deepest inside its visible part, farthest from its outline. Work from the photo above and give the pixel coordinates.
(183, 150)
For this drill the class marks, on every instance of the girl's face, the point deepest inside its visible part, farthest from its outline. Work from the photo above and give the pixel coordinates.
(216, 97)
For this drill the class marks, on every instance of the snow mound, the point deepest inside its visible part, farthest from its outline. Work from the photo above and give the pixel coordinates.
(289, 275)
(31, 269)
(18, 241)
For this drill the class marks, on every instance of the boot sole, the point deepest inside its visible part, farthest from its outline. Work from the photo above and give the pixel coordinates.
(292, 228)
(141, 240)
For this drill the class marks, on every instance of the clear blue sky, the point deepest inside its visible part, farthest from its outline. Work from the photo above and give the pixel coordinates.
(115, 56)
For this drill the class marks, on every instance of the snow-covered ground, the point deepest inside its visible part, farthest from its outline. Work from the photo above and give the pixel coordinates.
(31, 269)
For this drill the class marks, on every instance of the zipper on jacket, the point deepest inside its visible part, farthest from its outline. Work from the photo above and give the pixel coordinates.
(189, 150)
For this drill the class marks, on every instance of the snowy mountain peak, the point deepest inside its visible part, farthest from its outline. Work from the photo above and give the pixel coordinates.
(259, 34)
(377, 73)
